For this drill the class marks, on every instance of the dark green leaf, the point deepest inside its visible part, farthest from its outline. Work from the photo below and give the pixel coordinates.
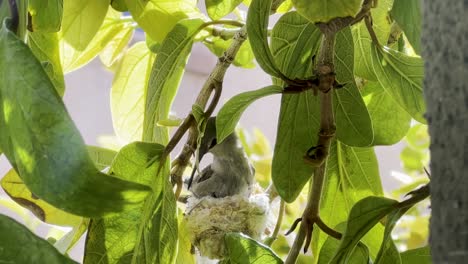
(389, 121)
(257, 30)
(407, 14)
(19, 245)
(293, 42)
(152, 226)
(353, 123)
(388, 253)
(325, 10)
(119, 5)
(217, 9)
(165, 77)
(82, 20)
(418, 255)
(164, 13)
(365, 214)
(128, 92)
(46, 15)
(231, 112)
(44, 146)
(352, 174)
(243, 249)
(45, 47)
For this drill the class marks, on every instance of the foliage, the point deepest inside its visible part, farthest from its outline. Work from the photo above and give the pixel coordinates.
(345, 88)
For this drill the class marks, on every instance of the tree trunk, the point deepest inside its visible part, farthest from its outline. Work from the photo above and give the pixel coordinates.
(445, 50)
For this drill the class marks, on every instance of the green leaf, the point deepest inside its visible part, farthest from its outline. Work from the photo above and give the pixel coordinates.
(244, 57)
(352, 174)
(217, 9)
(164, 13)
(113, 50)
(400, 75)
(365, 214)
(112, 28)
(44, 146)
(257, 30)
(414, 159)
(325, 10)
(82, 20)
(353, 122)
(388, 252)
(418, 137)
(293, 42)
(119, 5)
(19, 245)
(418, 255)
(116, 237)
(243, 249)
(165, 77)
(128, 92)
(231, 112)
(382, 27)
(46, 15)
(407, 14)
(45, 47)
(389, 121)
(101, 157)
(18, 192)
(184, 255)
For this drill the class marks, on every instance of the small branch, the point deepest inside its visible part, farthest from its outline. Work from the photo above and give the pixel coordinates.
(296, 247)
(372, 34)
(212, 84)
(416, 196)
(279, 221)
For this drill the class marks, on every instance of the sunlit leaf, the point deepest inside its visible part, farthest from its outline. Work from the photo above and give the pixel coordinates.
(128, 92)
(81, 21)
(418, 137)
(163, 13)
(19, 245)
(46, 15)
(365, 214)
(244, 57)
(113, 50)
(45, 47)
(69, 240)
(184, 255)
(325, 10)
(232, 110)
(243, 249)
(101, 157)
(217, 9)
(257, 30)
(408, 15)
(360, 254)
(44, 146)
(389, 121)
(165, 77)
(112, 29)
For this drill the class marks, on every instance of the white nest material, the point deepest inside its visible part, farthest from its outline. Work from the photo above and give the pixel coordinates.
(209, 219)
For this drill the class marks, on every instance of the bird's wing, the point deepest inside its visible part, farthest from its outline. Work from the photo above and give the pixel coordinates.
(204, 175)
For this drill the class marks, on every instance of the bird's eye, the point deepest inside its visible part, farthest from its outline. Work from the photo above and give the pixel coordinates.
(213, 143)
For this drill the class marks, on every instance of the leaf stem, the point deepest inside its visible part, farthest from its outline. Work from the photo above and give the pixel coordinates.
(279, 221)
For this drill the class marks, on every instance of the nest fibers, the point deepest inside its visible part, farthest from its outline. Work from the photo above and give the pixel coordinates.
(209, 219)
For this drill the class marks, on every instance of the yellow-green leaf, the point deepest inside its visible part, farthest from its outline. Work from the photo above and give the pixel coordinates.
(325, 10)
(46, 15)
(217, 9)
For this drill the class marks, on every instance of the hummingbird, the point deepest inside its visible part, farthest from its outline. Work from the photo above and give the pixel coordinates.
(229, 174)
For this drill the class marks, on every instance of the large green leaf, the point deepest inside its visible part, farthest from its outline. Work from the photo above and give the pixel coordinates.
(389, 121)
(243, 249)
(244, 57)
(44, 146)
(407, 14)
(325, 10)
(293, 42)
(217, 9)
(165, 77)
(360, 254)
(364, 215)
(113, 50)
(353, 122)
(418, 255)
(113, 239)
(19, 245)
(102, 157)
(257, 30)
(45, 47)
(46, 15)
(113, 30)
(128, 92)
(231, 112)
(158, 17)
(352, 174)
(400, 75)
(82, 20)
(184, 244)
